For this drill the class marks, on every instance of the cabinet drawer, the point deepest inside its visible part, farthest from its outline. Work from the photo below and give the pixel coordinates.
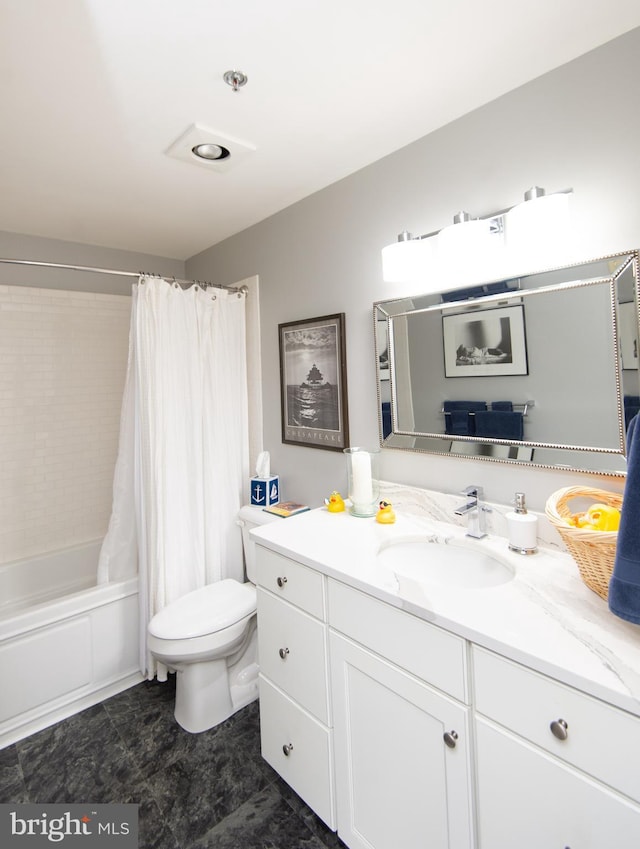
(298, 747)
(291, 581)
(528, 799)
(292, 652)
(425, 650)
(600, 739)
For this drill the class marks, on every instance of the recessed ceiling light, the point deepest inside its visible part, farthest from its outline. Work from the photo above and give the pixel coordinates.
(210, 151)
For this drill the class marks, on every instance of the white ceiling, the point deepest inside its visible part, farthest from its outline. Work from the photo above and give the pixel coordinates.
(93, 93)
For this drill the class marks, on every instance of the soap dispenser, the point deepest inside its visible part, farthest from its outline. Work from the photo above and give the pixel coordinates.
(522, 528)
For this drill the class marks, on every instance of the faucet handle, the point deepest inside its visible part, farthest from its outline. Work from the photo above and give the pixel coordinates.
(473, 491)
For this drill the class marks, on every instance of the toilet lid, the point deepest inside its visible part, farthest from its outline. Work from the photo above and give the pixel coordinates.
(204, 611)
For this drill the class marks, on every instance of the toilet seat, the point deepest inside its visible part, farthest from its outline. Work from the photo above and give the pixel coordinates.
(207, 610)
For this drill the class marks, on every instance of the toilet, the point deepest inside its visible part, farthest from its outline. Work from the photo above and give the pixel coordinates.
(208, 637)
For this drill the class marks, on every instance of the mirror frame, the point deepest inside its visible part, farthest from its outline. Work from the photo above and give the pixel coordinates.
(529, 453)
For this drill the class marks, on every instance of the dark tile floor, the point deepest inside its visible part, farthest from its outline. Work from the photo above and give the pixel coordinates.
(195, 791)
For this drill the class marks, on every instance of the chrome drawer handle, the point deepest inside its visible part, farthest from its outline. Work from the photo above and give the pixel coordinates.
(283, 653)
(281, 582)
(559, 729)
(450, 738)
(287, 749)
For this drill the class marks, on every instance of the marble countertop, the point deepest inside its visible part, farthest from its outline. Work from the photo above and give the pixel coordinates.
(545, 617)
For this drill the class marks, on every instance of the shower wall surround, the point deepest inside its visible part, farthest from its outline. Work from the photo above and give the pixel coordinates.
(63, 358)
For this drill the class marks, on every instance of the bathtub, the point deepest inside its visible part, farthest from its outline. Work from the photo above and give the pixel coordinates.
(65, 643)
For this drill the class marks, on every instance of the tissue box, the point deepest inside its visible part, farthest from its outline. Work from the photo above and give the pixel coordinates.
(265, 491)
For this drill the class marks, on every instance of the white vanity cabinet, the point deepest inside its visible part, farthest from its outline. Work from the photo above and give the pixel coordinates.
(294, 682)
(556, 769)
(402, 747)
(402, 734)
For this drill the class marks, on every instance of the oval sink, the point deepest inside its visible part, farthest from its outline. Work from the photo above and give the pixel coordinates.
(449, 562)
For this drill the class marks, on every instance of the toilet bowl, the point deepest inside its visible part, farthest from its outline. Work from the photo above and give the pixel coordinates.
(208, 637)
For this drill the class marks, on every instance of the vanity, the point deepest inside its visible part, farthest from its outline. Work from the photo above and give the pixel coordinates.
(413, 708)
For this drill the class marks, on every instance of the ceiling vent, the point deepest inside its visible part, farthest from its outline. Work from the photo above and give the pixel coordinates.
(209, 149)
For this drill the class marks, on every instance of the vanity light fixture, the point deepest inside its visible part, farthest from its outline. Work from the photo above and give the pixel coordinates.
(468, 247)
(408, 260)
(474, 250)
(537, 229)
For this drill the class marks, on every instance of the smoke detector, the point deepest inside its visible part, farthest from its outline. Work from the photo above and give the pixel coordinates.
(210, 149)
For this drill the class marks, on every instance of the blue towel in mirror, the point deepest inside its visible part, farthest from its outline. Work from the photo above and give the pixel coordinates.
(624, 587)
(499, 424)
(450, 406)
(459, 422)
(386, 419)
(457, 419)
(502, 405)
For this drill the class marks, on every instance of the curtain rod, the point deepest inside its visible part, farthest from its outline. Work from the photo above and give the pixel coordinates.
(241, 290)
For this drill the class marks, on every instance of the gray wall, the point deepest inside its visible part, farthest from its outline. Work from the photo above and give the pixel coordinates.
(36, 249)
(575, 127)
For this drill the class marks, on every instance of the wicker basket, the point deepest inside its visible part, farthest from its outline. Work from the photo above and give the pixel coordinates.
(593, 551)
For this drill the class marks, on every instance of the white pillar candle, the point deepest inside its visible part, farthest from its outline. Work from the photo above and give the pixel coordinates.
(362, 482)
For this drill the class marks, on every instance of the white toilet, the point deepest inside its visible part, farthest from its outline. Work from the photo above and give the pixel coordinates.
(209, 638)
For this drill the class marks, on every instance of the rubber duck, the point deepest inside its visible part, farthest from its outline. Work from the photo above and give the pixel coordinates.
(335, 503)
(385, 514)
(599, 517)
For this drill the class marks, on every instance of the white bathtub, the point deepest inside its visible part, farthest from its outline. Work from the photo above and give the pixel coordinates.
(65, 643)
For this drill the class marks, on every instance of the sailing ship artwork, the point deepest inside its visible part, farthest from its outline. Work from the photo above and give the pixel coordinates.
(312, 357)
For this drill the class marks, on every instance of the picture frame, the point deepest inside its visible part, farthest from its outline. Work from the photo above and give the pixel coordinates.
(313, 382)
(485, 343)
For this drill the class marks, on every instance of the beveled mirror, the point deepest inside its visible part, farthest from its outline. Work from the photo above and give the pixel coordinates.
(540, 369)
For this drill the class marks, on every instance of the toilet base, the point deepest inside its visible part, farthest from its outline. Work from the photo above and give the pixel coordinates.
(208, 692)
(203, 699)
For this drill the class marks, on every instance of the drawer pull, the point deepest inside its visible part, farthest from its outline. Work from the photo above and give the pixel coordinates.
(287, 749)
(283, 653)
(559, 729)
(450, 738)
(281, 582)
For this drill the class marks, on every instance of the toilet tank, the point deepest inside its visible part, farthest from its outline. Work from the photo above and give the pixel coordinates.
(252, 517)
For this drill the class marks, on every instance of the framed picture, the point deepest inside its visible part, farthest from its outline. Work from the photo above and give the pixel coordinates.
(485, 343)
(313, 382)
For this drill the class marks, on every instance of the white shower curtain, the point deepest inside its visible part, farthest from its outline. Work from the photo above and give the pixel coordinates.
(183, 460)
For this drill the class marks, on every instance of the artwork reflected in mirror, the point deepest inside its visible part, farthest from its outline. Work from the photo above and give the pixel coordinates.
(485, 343)
(543, 373)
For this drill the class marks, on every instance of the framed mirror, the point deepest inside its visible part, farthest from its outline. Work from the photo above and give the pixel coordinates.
(540, 369)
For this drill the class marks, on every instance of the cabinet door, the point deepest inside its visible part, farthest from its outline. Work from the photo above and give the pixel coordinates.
(529, 799)
(398, 784)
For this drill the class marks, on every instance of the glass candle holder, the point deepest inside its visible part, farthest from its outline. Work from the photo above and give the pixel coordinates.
(363, 481)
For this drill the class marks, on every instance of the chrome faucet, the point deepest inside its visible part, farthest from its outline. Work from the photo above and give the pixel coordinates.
(475, 511)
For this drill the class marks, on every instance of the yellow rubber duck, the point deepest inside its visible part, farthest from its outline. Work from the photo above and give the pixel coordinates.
(385, 514)
(599, 517)
(335, 503)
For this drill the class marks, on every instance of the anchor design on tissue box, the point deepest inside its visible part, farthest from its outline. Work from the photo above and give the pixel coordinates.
(265, 491)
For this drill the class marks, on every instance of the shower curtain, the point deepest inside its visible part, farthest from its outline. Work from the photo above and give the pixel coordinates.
(183, 458)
